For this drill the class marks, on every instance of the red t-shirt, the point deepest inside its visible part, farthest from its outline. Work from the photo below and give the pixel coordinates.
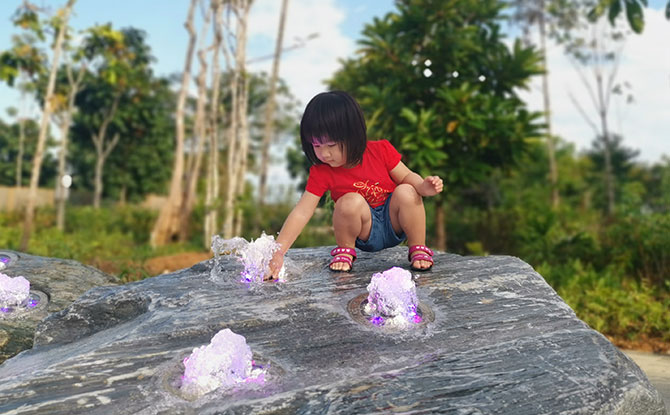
(371, 178)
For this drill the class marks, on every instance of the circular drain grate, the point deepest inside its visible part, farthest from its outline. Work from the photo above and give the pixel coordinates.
(356, 309)
(37, 300)
(171, 379)
(6, 259)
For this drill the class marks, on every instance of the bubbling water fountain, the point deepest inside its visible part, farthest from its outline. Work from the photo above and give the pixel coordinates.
(391, 302)
(224, 363)
(16, 297)
(254, 255)
(6, 259)
(13, 291)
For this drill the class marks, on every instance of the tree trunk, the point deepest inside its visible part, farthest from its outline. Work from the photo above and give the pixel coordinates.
(102, 151)
(123, 195)
(231, 166)
(213, 190)
(440, 225)
(237, 157)
(609, 176)
(270, 108)
(61, 191)
(244, 149)
(102, 154)
(553, 169)
(167, 224)
(200, 132)
(19, 159)
(44, 125)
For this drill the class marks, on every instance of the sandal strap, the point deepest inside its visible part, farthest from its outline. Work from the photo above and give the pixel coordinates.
(422, 257)
(415, 248)
(341, 258)
(343, 250)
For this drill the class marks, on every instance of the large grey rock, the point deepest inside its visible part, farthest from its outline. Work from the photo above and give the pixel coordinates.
(62, 281)
(501, 342)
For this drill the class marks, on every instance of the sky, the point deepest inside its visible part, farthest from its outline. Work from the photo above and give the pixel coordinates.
(644, 124)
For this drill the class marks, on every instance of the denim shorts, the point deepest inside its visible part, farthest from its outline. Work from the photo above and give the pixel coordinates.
(382, 234)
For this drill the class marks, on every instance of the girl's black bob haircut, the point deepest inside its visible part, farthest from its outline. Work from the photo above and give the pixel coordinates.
(334, 116)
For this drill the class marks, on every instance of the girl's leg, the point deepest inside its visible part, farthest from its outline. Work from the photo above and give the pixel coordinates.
(408, 215)
(351, 219)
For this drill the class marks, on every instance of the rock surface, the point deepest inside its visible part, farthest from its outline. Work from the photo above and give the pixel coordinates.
(63, 281)
(502, 342)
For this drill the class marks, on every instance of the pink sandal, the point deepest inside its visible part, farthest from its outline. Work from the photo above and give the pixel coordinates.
(338, 257)
(427, 255)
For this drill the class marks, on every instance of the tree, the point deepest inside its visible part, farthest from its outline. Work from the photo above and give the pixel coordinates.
(437, 80)
(595, 51)
(270, 107)
(119, 64)
(26, 62)
(545, 15)
(211, 122)
(632, 9)
(167, 224)
(620, 158)
(61, 24)
(9, 153)
(67, 86)
(237, 143)
(141, 162)
(64, 117)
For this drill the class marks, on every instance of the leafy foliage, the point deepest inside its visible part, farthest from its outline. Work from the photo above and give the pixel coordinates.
(142, 160)
(9, 151)
(437, 80)
(631, 8)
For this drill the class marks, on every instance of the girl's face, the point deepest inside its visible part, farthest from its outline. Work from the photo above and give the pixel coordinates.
(329, 152)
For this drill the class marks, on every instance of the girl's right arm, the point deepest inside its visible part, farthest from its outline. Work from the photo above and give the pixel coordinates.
(293, 225)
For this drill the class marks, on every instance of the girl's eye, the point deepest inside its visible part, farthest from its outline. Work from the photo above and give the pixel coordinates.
(332, 145)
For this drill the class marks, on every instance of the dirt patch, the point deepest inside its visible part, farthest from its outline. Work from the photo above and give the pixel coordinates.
(170, 263)
(128, 271)
(644, 344)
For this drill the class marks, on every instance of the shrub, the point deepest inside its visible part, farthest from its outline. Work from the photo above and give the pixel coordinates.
(640, 244)
(610, 303)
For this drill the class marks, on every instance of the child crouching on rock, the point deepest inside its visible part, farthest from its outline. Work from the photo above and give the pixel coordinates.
(378, 200)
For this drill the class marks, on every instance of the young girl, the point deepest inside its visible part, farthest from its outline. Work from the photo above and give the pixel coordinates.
(377, 198)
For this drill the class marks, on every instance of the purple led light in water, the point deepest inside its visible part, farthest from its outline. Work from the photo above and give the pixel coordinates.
(6, 309)
(260, 379)
(33, 302)
(417, 319)
(4, 259)
(377, 320)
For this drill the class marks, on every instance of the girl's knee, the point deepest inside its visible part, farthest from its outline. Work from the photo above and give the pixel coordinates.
(351, 203)
(406, 193)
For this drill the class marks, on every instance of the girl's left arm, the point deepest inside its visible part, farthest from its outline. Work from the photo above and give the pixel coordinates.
(430, 186)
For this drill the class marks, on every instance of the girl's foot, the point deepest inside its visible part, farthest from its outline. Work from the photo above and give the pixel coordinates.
(421, 257)
(343, 259)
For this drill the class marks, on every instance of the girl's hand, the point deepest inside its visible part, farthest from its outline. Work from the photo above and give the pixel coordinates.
(276, 263)
(431, 186)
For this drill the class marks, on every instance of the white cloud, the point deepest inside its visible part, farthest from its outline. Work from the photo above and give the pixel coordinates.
(306, 68)
(644, 124)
